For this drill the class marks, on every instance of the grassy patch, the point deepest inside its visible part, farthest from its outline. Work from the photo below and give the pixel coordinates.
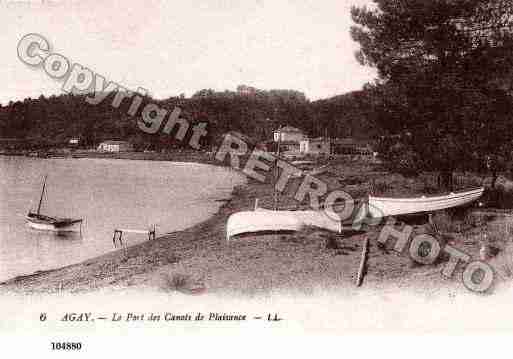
(183, 283)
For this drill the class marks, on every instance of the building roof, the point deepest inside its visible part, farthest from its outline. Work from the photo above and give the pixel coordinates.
(318, 139)
(289, 129)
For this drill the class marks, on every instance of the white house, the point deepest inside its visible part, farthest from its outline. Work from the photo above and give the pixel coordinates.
(289, 134)
(115, 146)
(289, 147)
(315, 146)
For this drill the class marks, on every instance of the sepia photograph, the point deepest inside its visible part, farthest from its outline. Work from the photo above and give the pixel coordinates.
(254, 169)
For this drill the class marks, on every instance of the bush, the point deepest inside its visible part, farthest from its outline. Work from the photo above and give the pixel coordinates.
(498, 197)
(444, 223)
(399, 158)
(379, 188)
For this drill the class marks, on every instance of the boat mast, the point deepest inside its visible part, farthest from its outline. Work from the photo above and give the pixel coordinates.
(42, 194)
(276, 194)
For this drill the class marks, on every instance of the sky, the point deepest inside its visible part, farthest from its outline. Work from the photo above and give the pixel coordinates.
(175, 47)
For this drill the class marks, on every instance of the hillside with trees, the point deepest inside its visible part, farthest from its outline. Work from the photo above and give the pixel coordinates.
(350, 115)
(51, 122)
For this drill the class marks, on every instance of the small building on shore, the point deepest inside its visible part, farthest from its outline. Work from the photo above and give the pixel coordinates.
(315, 146)
(289, 147)
(289, 134)
(74, 141)
(115, 146)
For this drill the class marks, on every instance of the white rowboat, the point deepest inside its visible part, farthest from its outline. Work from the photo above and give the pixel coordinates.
(263, 220)
(386, 206)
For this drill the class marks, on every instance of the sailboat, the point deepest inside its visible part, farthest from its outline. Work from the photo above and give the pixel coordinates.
(46, 223)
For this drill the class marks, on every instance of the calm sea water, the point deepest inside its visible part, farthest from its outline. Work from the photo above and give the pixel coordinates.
(107, 194)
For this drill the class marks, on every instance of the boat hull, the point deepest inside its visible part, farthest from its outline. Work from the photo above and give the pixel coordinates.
(263, 220)
(385, 207)
(45, 223)
(52, 228)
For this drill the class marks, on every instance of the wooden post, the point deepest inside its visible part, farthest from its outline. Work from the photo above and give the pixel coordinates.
(276, 193)
(432, 223)
(114, 238)
(363, 260)
(151, 233)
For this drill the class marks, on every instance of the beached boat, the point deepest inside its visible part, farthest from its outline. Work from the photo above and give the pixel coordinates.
(264, 220)
(308, 168)
(386, 206)
(42, 222)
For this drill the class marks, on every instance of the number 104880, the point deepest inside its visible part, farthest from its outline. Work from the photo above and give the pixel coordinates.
(66, 346)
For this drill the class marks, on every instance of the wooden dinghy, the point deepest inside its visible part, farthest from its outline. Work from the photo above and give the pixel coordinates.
(386, 206)
(264, 220)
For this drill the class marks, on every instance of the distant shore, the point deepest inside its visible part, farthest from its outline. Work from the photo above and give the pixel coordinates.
(174, 156)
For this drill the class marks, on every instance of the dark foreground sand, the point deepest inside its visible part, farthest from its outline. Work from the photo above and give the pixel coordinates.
(200, 260)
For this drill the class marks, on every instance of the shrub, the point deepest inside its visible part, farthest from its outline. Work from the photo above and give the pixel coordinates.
(177, 282)
(443, 222)
(379, 188)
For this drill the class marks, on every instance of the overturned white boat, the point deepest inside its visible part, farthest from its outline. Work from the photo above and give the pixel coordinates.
(308, 168)
(263, 220)
(386, 206)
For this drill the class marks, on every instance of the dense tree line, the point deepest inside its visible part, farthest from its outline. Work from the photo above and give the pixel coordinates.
(444, 93)
(51, 121)
(350, 115)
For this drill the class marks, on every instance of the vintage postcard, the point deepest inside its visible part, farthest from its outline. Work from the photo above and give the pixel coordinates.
(182, 171)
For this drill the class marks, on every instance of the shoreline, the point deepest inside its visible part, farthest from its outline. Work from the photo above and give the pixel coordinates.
(179, 157)
(199, 259)
(185, 156)
(39, 281)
